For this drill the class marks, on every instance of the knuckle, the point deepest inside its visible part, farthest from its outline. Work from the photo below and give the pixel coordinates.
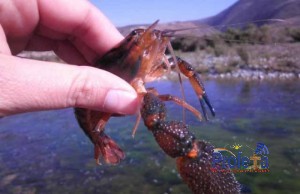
(82, 90)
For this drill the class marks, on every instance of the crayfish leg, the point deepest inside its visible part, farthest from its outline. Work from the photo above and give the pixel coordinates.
(182, 103)
(102, 122)
(196, 83)
(174, 63)
(137, 122)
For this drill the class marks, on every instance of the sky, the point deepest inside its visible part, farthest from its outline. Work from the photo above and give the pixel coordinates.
(126, 12)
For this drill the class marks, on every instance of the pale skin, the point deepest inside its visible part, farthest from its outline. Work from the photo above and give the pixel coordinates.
(77, 32)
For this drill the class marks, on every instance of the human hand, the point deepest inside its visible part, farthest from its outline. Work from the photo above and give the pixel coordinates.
(77, 32)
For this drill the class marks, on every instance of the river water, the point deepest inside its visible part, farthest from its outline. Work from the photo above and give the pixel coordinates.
(46, 152)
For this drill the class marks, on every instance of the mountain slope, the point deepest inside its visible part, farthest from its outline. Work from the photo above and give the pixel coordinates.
(245, 11)
(239, 14)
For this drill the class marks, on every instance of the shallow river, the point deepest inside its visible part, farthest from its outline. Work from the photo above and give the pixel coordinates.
(46, 152)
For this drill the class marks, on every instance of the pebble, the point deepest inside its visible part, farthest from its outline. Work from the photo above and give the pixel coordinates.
(260, 75)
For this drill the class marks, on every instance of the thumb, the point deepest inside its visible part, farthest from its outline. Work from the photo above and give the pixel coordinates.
(29, 85)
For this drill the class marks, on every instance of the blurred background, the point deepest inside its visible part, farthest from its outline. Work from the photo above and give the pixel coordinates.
(246, 52)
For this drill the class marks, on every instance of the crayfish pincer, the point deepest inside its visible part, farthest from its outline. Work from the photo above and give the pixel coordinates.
(194, 157)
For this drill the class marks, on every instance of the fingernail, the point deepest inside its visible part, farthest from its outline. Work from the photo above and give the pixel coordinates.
(119, 101)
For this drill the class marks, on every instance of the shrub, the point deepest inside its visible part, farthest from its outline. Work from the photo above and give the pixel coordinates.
(241, 51)
(294, 33)
(185, 44)
(220, 49)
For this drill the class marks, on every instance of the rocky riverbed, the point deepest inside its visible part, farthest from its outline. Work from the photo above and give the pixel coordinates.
(247, 62)
(281, 62)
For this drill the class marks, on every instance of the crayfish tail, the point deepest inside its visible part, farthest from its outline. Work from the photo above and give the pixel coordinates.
(201, 177)
(108, 149)
(93, 124)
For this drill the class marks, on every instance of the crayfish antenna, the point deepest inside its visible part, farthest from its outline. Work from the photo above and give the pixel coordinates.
(152, 26)
(179, 76)
(149, 30)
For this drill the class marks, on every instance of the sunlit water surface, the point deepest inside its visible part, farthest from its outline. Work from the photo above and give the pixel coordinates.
(46, 152)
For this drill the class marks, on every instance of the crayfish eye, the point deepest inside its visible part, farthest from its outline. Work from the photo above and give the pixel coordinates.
(134, 32)
(132, 35)
(137, 32)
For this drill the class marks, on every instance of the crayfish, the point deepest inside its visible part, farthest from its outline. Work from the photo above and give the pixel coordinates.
(141, 58)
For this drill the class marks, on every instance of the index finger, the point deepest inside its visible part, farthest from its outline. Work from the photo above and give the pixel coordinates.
(79, 19)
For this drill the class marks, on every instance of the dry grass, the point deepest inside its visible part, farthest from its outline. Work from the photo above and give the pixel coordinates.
(267, 59)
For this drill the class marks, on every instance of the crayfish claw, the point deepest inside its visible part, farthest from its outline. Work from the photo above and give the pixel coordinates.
(174, 138)
(204, 100)
(211, 108)
(194, 78)
(198, 174)
(202, 103)
(194, 157)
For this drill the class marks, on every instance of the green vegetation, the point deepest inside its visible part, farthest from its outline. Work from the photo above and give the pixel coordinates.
(265, 49)
(250, 35)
